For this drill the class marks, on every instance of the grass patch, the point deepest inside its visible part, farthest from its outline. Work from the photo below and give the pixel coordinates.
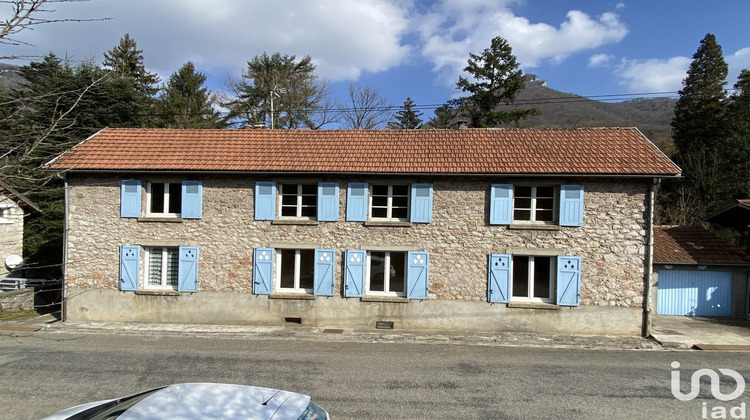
(20, 315)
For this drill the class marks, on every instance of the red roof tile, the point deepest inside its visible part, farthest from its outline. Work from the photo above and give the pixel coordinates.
(694, 245)
(471, 151)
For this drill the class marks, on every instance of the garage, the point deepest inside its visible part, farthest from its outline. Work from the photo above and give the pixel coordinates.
(694, 293)
(698, 274)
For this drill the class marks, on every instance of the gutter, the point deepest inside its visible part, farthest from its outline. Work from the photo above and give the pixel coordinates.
(649, 269)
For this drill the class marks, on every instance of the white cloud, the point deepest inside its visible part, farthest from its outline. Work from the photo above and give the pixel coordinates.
(653, 75)
(454, 29)
(344, 38)
(737, 62)
(601, 60)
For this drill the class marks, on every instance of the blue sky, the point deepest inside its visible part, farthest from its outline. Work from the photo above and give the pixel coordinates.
(410, 47)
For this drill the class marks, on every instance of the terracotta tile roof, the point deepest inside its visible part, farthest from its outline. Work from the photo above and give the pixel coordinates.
(472, 151)
(694, 245)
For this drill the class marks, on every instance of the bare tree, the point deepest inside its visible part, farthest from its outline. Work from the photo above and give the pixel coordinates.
(367, 109)
(25, 14)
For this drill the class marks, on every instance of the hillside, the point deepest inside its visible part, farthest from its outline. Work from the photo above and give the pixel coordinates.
(560, 109)
(10, 78)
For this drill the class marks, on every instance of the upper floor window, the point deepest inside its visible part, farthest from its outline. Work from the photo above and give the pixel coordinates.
(390, 202)
(5, 214)
(536, 204)
(299, 200)
(296, 201)
(164, 199)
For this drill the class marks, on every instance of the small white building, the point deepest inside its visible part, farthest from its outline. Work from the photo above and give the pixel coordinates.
(13, 208)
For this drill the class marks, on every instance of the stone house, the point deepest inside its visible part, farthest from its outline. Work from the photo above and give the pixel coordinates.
(13, 207)
(472, 230)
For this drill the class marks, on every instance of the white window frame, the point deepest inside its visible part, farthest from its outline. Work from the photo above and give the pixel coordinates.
(530, 279)
(389, 206)
(297, 273)
(532, 217)
(5, 213)
(164, 281)
(386, 275)
(298, 206)
(168, 186)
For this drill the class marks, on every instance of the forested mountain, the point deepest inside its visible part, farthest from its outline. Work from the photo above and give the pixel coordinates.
(562, 110)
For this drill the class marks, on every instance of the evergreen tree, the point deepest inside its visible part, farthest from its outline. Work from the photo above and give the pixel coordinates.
(495, 80)
(700, 109)
(186, 103)
(446, 115)
(290, 85)
(736, 147)
(406, 117)
(126, 60)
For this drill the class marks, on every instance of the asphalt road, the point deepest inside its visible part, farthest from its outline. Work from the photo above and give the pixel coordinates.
(43, 372)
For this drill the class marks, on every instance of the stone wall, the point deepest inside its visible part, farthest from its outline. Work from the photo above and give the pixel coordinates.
(11, 232)
(17, 300)
(610, 242)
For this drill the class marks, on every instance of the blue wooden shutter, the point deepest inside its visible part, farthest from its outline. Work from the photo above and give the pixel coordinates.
(356, 202)
(417, 275)
(187, 271)
(265, 200)
(130, 198)
(328, 201)
(498, 282)
(130, 262)
(354, 273)
(421, 203)
(192, 200)
(501, 204)
(571, 205)
(568, 280)
(323, 277)
(263, 271)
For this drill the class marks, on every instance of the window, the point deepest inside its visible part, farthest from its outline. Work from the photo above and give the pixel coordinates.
(296, 270)
(162, 265)
(299, 200)
(534, 204)
(293, 270)
(164, 199)
(390, 202)
(386, 273)
(5, 214)
(532, 278)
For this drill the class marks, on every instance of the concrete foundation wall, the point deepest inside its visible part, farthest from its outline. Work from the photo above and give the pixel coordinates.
(334, 312)
(459, 240)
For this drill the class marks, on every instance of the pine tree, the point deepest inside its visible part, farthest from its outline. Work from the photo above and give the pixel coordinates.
(446, 115)
(736, 147)
(700, 109)
(125, 59)
(290, 83)
(185, 102)
(406, 117)
(496, 80)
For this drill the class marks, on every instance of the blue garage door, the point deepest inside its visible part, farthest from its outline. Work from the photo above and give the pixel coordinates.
(694, 293)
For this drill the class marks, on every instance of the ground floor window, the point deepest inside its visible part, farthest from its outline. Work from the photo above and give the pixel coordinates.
(386, 273)
(533, 278)
(296, 270)
(162, 267)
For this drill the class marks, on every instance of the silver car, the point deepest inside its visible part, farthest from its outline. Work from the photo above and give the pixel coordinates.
(201, 401)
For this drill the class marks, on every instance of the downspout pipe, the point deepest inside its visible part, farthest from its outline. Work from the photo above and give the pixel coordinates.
(649, 265)
(64, 303)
